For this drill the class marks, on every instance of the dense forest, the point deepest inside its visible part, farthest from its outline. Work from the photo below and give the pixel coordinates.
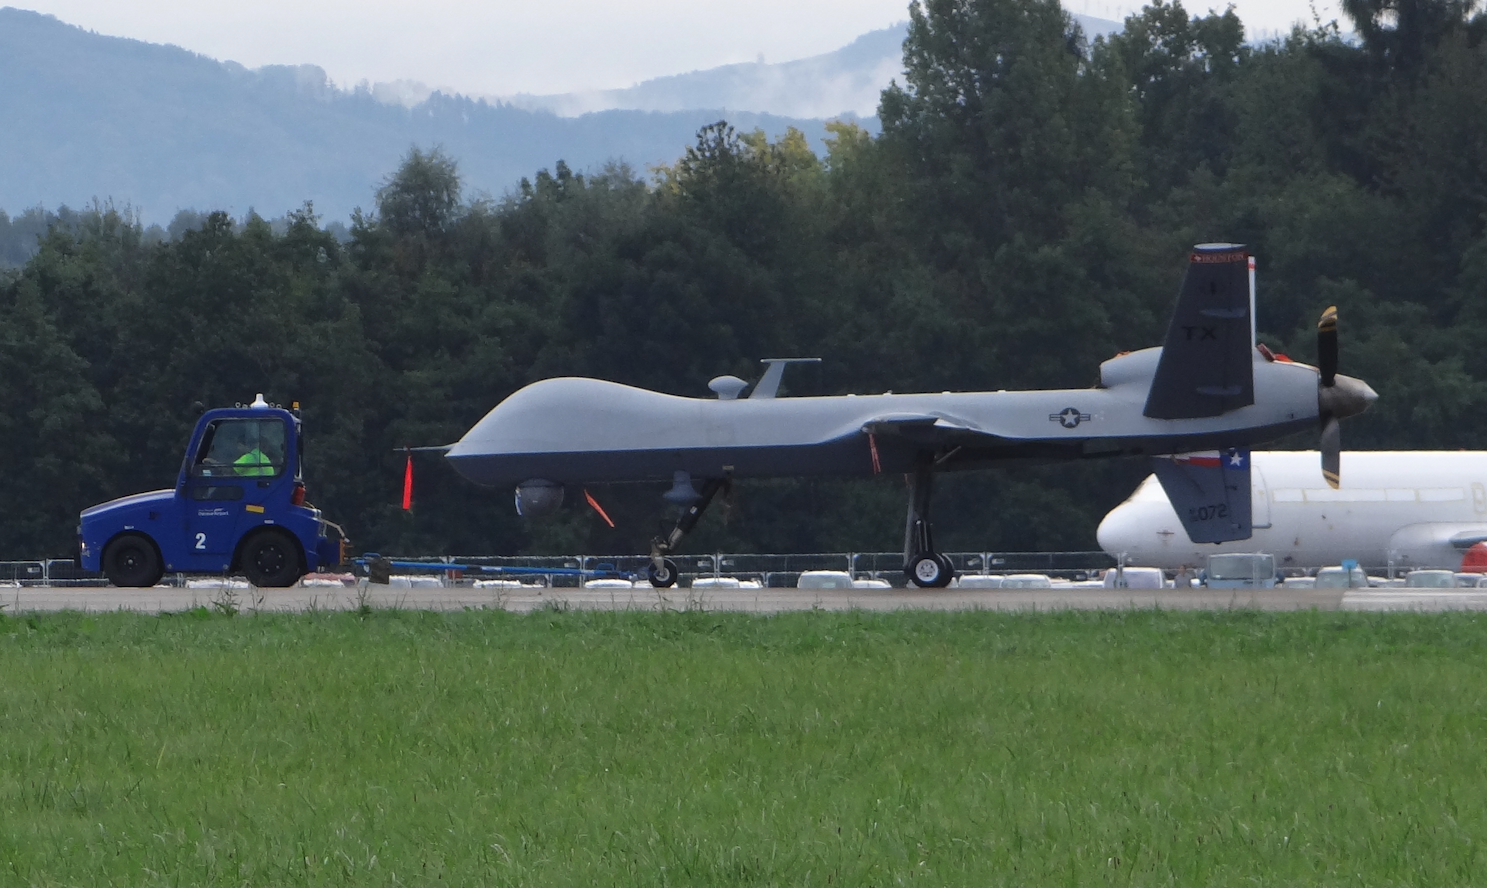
(1023, 215)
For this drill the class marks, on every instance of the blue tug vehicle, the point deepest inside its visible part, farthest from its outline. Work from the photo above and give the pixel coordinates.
(238, 507)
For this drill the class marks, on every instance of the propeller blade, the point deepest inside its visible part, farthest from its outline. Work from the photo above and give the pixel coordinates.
(1327, 346)
(1332, 451)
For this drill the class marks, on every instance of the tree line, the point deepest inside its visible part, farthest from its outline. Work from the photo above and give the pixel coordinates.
(1024, 215)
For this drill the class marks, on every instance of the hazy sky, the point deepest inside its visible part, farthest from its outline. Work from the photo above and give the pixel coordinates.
(500, 47)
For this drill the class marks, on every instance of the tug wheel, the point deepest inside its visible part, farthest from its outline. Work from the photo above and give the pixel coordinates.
(271, 559)
(131, 561)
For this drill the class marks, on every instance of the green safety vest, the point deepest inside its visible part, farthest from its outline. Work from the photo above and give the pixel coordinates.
(254, 462)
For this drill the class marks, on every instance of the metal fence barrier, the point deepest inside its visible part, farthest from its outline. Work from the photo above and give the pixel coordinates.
(783, 570)
(773, 570)
(47, 572)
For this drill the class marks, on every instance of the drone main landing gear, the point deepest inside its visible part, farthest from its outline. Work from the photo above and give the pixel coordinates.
(924, 566)
(662, 570)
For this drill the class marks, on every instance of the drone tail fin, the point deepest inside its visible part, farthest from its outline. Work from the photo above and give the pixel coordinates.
(1210, 493)
(1207, 363)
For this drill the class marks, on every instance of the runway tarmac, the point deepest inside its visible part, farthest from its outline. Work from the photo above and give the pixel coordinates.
(528, 598)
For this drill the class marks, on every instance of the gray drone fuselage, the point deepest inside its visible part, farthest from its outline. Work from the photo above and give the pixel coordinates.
(573, 430)
(1209, 387)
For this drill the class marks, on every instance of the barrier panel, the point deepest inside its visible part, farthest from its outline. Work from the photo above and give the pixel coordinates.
(66, 572)
(47, 572)
(23, 573)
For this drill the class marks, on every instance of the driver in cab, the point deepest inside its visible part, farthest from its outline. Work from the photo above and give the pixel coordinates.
(240, 449)
(254, 462)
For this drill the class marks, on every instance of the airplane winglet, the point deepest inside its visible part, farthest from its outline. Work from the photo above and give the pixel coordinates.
(1207, 363)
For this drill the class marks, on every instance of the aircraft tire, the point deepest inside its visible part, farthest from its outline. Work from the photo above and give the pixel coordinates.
(930, 570)
(663, 577)
(131, 561)
(949, 570)
(271, 560)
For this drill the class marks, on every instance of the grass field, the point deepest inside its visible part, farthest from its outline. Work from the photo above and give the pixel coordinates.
(485, 748)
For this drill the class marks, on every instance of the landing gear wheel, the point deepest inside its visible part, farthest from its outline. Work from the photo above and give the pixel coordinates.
(131, 561)
(272, 560)
(930, 570)
(949, 570)
(662, 577)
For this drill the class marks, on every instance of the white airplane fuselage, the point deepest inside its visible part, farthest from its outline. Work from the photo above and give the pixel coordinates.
(1405, 508)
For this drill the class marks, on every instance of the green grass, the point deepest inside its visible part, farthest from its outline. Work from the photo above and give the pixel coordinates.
(484, 748)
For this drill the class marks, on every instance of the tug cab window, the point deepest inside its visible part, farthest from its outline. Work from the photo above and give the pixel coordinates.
(242, 448)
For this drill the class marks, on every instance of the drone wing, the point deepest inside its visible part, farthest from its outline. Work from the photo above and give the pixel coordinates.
(929, 430)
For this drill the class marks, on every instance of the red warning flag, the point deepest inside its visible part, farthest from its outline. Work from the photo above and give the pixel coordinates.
(598, 508)
(408, 483)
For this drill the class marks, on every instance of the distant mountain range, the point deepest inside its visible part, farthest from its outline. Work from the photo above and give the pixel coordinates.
(847, 81)
(161, 129)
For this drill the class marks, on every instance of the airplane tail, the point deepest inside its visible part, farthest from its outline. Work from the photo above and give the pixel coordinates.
(1207, 363)
(1210, 493)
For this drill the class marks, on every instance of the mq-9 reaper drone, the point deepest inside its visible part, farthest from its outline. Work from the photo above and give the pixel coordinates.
(1209, 387)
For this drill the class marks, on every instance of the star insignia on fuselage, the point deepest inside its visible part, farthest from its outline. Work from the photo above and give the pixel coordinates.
(1069, 418)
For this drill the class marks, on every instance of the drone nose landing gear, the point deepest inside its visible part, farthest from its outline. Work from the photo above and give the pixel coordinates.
(662, 570)
(924, 566)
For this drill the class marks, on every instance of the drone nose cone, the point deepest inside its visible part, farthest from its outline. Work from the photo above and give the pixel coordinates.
(1348, 396)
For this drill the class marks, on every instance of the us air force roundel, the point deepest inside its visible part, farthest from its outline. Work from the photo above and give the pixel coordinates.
(1069, 418)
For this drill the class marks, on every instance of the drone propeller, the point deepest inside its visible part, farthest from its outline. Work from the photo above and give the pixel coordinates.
(1331, 445)
(1327, 346)
(1338, 397)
